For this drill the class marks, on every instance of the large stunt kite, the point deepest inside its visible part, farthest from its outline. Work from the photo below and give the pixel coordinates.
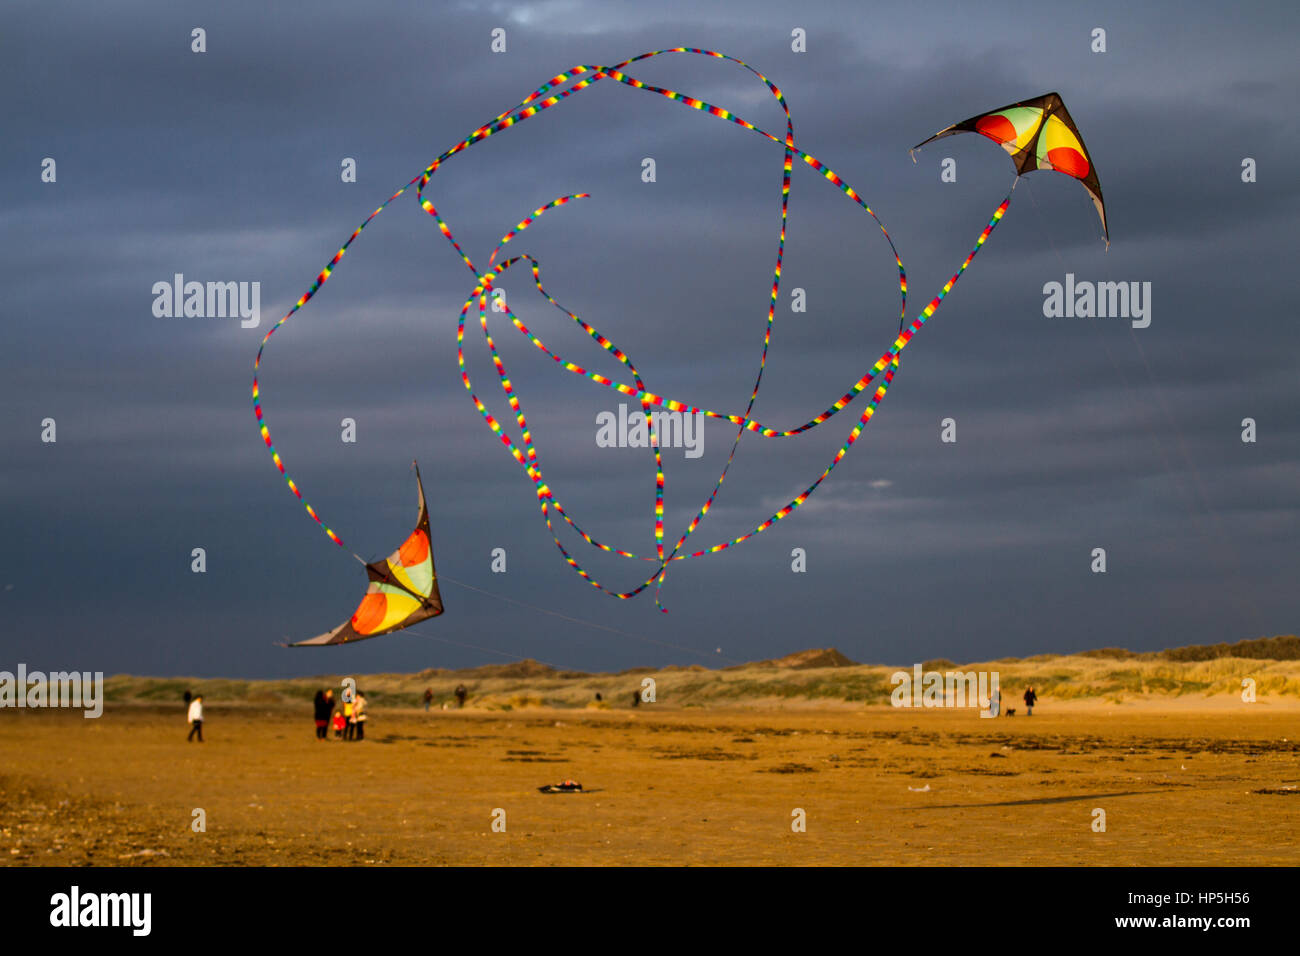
(1038, 134)
(403, 588)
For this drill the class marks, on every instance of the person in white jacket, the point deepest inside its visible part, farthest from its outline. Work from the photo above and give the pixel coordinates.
(196, 718)
(359, 715)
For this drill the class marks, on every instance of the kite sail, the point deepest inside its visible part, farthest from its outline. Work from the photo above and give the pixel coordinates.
(403, 589)
(1038, 134)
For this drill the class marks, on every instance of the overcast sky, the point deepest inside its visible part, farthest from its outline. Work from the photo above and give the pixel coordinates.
(1072, 434)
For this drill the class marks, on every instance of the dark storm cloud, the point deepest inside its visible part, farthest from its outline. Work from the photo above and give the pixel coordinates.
(1073, 434)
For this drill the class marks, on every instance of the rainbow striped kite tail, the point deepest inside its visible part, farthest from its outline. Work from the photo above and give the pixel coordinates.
(659, 589)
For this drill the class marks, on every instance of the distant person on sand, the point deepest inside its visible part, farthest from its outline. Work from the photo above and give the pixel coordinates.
(1030, 699)
(461, 693)
(339, 724)
(428, 698)
(359, 715)
(196, 718)
(349, 721)
(995, 702)
(636, 698)
(323, 708)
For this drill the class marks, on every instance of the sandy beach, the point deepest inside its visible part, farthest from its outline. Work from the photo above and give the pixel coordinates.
(1181, 782)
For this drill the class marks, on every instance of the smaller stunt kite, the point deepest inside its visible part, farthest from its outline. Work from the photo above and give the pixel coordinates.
(1038, 134)
(403, 589)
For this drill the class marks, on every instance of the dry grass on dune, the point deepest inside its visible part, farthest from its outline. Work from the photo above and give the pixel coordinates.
(1114, 676)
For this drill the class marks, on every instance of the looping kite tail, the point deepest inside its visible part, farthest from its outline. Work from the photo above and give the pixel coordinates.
(1038, 134)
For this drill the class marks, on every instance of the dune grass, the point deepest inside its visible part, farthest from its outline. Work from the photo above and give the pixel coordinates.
(1074, 677)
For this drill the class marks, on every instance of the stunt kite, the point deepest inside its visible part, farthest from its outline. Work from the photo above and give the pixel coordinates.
(403, 589)
(1038, 134)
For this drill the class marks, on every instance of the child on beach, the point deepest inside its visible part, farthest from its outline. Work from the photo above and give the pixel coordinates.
(339, 724)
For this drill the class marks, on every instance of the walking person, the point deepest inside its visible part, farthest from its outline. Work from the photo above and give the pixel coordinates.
(349, 719)
(359, 715)
(428, 698)
(461, 693)
(195, 718)
(1030, 699)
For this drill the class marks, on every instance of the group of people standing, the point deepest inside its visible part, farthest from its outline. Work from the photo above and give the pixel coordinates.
(348, 720)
